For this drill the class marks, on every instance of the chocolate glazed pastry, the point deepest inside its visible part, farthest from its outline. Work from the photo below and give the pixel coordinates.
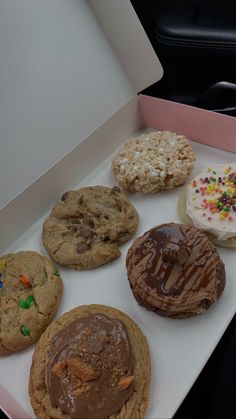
(92, 363)
(175, 271)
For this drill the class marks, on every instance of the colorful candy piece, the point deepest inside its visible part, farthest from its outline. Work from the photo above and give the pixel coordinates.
(221, 195)
(3, 264)
(25, 330)
(1, 284)
(25, 281)
(27, 303)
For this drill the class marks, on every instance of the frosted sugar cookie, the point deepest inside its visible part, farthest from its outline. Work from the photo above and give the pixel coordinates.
(209, 203)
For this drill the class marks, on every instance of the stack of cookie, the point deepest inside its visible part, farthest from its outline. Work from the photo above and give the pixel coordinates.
(93, 362)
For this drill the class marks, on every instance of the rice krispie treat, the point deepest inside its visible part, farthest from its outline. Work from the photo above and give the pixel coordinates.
(153, 162)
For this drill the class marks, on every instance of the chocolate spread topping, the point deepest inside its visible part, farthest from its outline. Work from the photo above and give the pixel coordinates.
(172, 260)
(90, 364)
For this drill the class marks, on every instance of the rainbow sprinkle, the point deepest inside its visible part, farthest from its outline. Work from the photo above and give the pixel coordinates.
(218, 194)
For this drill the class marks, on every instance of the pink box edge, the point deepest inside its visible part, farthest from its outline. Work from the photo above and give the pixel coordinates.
(200, 125)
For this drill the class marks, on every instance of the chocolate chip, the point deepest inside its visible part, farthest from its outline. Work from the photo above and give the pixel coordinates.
(81, 199)
(89, 221)
(82, 247)
(86, 232)
(65, 196)
(115, 189)
(97, 213)
(75, 220)
(205, 303)
(72, 228)
(118, 205)
(105, 239)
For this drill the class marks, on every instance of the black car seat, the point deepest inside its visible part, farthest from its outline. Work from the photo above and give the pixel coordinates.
(195, 41)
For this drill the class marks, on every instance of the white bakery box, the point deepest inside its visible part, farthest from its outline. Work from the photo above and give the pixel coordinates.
(114, 61)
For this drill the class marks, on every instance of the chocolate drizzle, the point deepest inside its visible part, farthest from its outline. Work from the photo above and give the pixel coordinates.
(89, 372)
(173, 267)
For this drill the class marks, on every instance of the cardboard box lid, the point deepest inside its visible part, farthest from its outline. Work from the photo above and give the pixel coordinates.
(60, 79)
(129, 40)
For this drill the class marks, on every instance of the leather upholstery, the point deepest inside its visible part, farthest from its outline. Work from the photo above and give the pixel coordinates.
(196, 43)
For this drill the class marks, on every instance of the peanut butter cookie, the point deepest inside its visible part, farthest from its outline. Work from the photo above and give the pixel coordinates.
(85, 229)
(92, 363)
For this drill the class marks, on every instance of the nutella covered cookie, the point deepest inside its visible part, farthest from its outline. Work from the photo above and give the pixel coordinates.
(86, 228)
(91, 363)
(30, 292)
(153, 162)
(209, 203)
(175, 271)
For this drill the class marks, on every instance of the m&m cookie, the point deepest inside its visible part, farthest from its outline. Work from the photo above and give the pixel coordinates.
(30, 292)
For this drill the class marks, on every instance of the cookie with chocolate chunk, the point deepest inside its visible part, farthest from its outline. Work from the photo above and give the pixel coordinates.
(92, 363)
(175, 271)
(85, 229)
(30, 292)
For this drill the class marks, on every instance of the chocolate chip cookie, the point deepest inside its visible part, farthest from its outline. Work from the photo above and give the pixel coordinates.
(30, 292)
(92, 363)
(85, 229)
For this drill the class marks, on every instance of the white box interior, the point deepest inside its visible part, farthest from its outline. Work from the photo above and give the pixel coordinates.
(179, 348)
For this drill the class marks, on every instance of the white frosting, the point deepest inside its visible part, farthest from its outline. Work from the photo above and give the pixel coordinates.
(204, 203)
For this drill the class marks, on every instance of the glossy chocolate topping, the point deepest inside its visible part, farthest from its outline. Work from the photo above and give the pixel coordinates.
(90, 362)
(173, 266)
